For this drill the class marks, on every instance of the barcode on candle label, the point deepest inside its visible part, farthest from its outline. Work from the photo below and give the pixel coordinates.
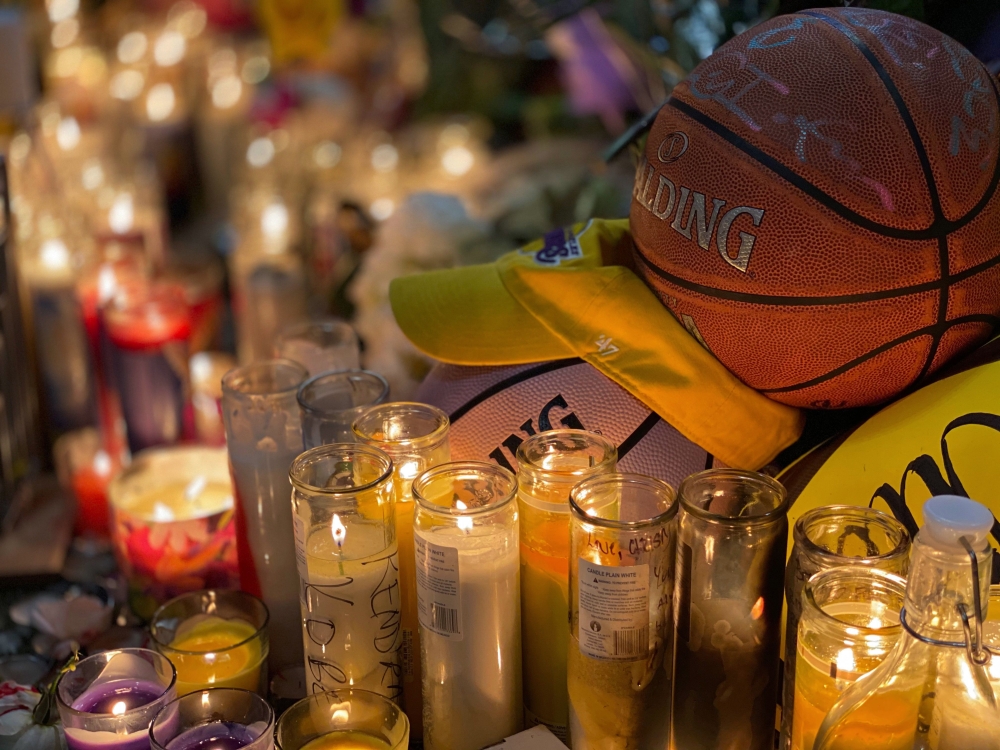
(439, 601)
(614, 610)
(300, 546)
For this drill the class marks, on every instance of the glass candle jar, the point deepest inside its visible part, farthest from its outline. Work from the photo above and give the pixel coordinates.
(264, 436)
(345, 544)
(849, 623)
(216, 719)
(731, 542)
(991, 637)
(346, 719)
(415, 437)
(830, 537)
(621, 589)
(214, 639)
(550, 464)
(321, 346)
(330, 403)
(172, 524)
(465, 534)
(108, 701)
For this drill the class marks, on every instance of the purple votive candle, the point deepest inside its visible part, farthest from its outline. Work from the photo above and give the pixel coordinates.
(110, 699)
(218, 735)
(214, 719)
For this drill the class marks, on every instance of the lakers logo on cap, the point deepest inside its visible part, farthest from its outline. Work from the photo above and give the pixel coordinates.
(559, 245)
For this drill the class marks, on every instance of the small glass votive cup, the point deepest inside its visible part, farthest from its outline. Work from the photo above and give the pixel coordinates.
(330, 403)
(219, 719)
(343, 720)
(321, 346)
(109, 700)
(214, 639)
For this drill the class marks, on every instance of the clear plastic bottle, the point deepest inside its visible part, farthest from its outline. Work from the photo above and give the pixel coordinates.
(932, 692)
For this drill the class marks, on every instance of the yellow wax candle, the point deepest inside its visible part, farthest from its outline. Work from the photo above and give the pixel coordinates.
(203, 653)
(347, 740)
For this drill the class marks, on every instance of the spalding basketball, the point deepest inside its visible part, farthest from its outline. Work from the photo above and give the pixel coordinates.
(818, 205)
(494, 409)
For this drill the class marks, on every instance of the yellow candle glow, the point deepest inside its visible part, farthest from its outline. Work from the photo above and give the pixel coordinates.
(204, 655)
(348, 740)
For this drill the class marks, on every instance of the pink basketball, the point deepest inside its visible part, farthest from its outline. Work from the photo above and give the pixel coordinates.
(494, 409)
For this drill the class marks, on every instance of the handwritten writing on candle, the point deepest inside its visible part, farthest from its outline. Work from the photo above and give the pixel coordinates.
(636, 544)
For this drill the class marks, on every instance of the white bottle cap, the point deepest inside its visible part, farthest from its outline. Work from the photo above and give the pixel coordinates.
(947, 518)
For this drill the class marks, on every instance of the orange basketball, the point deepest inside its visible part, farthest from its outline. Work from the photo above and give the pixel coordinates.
(818, 205)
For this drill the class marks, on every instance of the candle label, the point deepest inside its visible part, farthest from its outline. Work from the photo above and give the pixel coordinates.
(439, 604)
(614, 610)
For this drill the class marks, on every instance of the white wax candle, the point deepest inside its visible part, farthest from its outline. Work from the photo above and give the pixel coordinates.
(470, 635)
(349, 593)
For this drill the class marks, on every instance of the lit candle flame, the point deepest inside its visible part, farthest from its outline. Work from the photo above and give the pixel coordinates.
(845, 660)
(758, 609)
(119, 708)
(338, 530)
(465, 524)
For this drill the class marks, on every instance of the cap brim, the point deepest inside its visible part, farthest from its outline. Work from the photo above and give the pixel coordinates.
(466, 316)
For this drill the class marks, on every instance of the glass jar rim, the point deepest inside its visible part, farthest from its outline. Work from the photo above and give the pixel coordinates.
(155, 744)
(306, 458)
(622, 479)
(109, 654)
(343, 330)
(316, 380)
(239, 382)
(891, 580)
(567, 475)
(367, 695)
(761, 480)
(459, 467)
(440, 420)
(800, 535)
(229, 592)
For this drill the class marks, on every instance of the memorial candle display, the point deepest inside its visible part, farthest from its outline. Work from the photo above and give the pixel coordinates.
(849, 623)
(216, 719)
(550, 464)
(621, 626)
(148, 327)
(108, 700)
(830, 537)
(415, 437)
(263, 436)
(465, 529)
(344, 719)
(332, 401)
(345, 548)
(731, 544)
(172, 524)
(214, 639)
(323, 346)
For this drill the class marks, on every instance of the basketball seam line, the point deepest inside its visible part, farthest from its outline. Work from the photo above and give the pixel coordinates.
(925, 164)
(638, 434)
(502, 385)
(790, 301)
(925, 331)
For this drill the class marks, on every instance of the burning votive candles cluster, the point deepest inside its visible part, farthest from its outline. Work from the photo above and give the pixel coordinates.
(214, 639)
(109, 700)
(173, 526)
(466, 544)
(346, 719)
(216, 719)
(345, 549)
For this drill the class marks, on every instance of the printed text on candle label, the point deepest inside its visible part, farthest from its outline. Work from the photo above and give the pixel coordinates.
(614, 610)
(300, 545)
(439, 602)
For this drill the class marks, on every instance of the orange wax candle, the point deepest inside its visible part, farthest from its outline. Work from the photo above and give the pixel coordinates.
(347, 740)
(210, 651)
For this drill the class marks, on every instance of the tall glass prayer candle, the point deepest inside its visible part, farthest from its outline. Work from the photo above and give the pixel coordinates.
(345, 547)
(201, 281)
(731, 542)
(207, 371)
(173, 526)
(465, 532)
(269, 294)
(221, 718)
(621, 579)
(991, 636)
(86, 469)
(345, 719)
(829, 537)
(415, 436)
(849, 623)
(322, 346)
(264, 436)
(108, 700)
(550, 464)
(214, 639)
(148, 328)
(330, 403)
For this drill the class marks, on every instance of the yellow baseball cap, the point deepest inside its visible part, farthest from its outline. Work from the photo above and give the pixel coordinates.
(572, 294)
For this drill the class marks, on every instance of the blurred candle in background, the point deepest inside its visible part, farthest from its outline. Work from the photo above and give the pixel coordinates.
(321, 346)
(207, 371)
(173, 526)
(332, 401)
(85, 468)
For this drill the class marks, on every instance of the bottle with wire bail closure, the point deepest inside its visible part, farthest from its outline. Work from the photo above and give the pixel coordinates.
(933, 690)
